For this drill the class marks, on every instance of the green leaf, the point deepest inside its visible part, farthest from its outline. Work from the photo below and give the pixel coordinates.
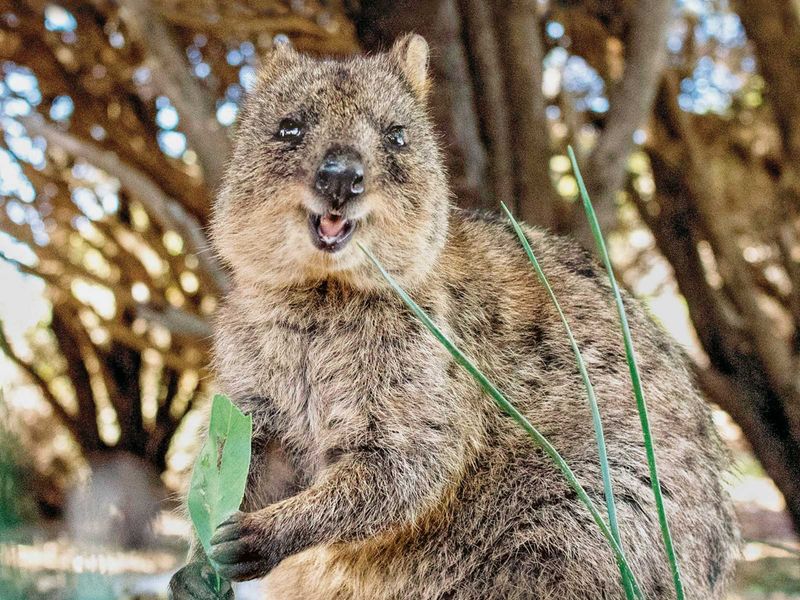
(638, 392)
(600, 439)
(220, 473)
(504, 404)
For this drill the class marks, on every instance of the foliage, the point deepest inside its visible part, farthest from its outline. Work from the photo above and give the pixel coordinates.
(220, 473)
(17, 504)
(597, 423)
(630, 356)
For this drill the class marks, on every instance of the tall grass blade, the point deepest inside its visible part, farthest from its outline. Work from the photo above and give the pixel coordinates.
(598, 424)
(511, 411)
(641, 405)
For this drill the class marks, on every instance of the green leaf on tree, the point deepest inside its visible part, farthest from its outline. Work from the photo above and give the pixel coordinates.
(220, 473)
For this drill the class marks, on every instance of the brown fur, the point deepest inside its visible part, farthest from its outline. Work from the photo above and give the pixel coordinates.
(380, 469)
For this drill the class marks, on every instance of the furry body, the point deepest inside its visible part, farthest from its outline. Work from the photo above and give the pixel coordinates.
(381, 471)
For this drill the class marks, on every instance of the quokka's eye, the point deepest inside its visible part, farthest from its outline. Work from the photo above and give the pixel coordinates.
(290, 130)
(395, 137)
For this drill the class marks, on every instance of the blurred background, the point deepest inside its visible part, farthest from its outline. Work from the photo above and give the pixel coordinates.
(116, 119)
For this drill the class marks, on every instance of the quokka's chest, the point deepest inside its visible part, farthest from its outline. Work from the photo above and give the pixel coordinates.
(330, 373)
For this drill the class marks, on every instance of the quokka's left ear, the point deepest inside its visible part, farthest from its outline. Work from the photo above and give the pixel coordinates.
(278, 57)
(411, 53)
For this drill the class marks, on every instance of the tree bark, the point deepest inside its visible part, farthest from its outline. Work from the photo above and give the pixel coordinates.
(452, 100)
(518, 34)
(70, 347)
(489, 82)
(745, 375)
(774, 29)
(630, 103)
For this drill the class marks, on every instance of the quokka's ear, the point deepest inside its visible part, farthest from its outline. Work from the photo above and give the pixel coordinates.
(411, 54)
(281, 54)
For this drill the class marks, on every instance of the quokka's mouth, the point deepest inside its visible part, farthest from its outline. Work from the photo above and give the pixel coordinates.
(330, 232)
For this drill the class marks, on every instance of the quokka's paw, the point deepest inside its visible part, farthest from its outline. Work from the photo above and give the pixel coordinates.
(197, 581)
(241, 548)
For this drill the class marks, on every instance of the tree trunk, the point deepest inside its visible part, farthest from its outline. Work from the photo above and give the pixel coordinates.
(491, 110)
(630, 104)
(742, 348)
(518, 33)
(453, 103)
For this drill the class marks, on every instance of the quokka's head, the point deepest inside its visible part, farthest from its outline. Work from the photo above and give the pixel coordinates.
(330, 152)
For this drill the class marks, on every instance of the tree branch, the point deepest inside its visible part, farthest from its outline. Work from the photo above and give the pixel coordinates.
(342, 41)
(59, 410)
(121, 368)
(173, 76)
(630, 103)
(179, 322)
(774, 28)
(170, 213)
(738, 378)
(165, 424)
(175, 320)
(63, 326)
(775, 355)
(778, 455)
(131, 133)
(453, 108)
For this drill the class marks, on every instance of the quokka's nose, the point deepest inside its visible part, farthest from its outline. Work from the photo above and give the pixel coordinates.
(340, 176)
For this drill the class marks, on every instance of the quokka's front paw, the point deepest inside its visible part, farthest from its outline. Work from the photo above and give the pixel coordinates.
(242, 549)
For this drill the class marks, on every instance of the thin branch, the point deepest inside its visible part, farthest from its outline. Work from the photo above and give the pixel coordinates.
(63, 325)
(170, 213)
(38, 380)
(290, 24)
(630, 103)
(173, 76)
(176, 321)
(172, 360)
(133, 136)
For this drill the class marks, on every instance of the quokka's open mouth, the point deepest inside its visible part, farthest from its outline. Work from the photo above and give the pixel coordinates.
(330, 232)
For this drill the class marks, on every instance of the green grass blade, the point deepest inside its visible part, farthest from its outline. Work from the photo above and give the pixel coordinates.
(511, 410)
(641, 404)
(608, 487)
